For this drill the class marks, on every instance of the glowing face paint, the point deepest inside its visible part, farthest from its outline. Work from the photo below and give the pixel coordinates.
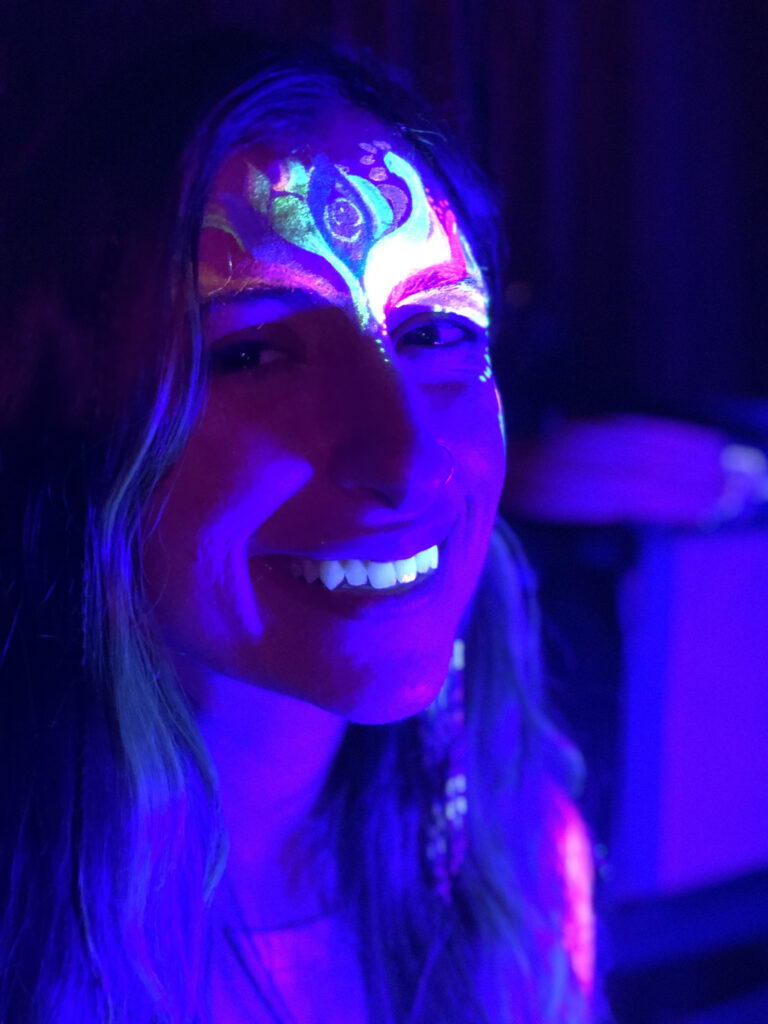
(502, 421)
(369, 236)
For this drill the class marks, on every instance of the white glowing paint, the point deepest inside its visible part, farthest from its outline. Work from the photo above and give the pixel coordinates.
(419, 243)
(502, 422)
(487, 373)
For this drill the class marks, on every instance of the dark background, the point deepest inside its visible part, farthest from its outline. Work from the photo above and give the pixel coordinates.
(629, 137)
(629, 140)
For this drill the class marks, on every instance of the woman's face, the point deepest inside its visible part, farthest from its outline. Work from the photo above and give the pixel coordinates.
(324, 530)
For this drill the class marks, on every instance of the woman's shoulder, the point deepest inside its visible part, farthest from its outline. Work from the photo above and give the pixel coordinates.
(575, 867)
(554, 873)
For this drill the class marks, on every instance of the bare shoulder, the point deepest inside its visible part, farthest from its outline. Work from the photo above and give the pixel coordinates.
(573, 851)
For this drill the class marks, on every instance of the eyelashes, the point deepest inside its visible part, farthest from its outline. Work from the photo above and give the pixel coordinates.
(437, 331)
(263, 346)
(254, 346)
(245, 355)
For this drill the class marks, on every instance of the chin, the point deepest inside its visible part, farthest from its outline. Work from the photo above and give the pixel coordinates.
(380, 700)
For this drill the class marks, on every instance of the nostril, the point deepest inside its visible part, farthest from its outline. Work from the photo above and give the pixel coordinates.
(400, 476)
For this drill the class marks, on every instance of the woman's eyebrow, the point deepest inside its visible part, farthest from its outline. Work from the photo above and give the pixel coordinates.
(297, 298)
(235, 310)
(436, 279)
(469, 290)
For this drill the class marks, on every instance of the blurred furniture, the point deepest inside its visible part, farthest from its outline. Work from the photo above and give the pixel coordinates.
(685, 878)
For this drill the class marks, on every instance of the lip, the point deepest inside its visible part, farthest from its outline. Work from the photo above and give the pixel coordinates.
(381, 546)
(349, 601)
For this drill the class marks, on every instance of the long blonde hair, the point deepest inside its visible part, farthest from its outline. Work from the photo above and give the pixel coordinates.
(118, 842)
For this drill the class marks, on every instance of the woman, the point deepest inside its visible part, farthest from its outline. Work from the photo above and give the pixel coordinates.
(253, 452)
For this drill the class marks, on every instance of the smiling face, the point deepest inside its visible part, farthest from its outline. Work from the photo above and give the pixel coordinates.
(323, 532)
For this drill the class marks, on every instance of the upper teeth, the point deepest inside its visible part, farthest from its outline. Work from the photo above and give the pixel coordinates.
(359, 573)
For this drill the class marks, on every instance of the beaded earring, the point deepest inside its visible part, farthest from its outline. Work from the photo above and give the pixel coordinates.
(444, 744)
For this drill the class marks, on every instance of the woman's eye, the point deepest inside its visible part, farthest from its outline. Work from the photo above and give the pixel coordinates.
(244, 355)
(437, 332)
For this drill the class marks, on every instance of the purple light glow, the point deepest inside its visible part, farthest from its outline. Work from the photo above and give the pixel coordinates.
(575, 853)
(695, 799)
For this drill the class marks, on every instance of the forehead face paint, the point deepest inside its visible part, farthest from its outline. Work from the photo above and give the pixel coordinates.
(368, 234)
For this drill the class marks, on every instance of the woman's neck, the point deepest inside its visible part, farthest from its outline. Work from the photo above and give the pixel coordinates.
(272, 754)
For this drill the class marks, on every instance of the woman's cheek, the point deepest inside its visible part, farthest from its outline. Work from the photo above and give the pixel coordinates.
(480, 436)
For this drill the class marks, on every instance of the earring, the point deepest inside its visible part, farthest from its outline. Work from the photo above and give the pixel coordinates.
(445, 758)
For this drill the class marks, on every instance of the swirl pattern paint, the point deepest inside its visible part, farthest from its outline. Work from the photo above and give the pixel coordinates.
(367, 233)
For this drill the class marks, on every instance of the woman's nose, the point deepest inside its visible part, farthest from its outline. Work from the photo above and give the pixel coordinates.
(389, 449)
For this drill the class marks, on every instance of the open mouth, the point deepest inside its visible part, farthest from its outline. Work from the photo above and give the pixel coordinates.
(364, 574)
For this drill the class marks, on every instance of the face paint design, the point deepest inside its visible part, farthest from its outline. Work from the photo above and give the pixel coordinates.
(368, 235)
